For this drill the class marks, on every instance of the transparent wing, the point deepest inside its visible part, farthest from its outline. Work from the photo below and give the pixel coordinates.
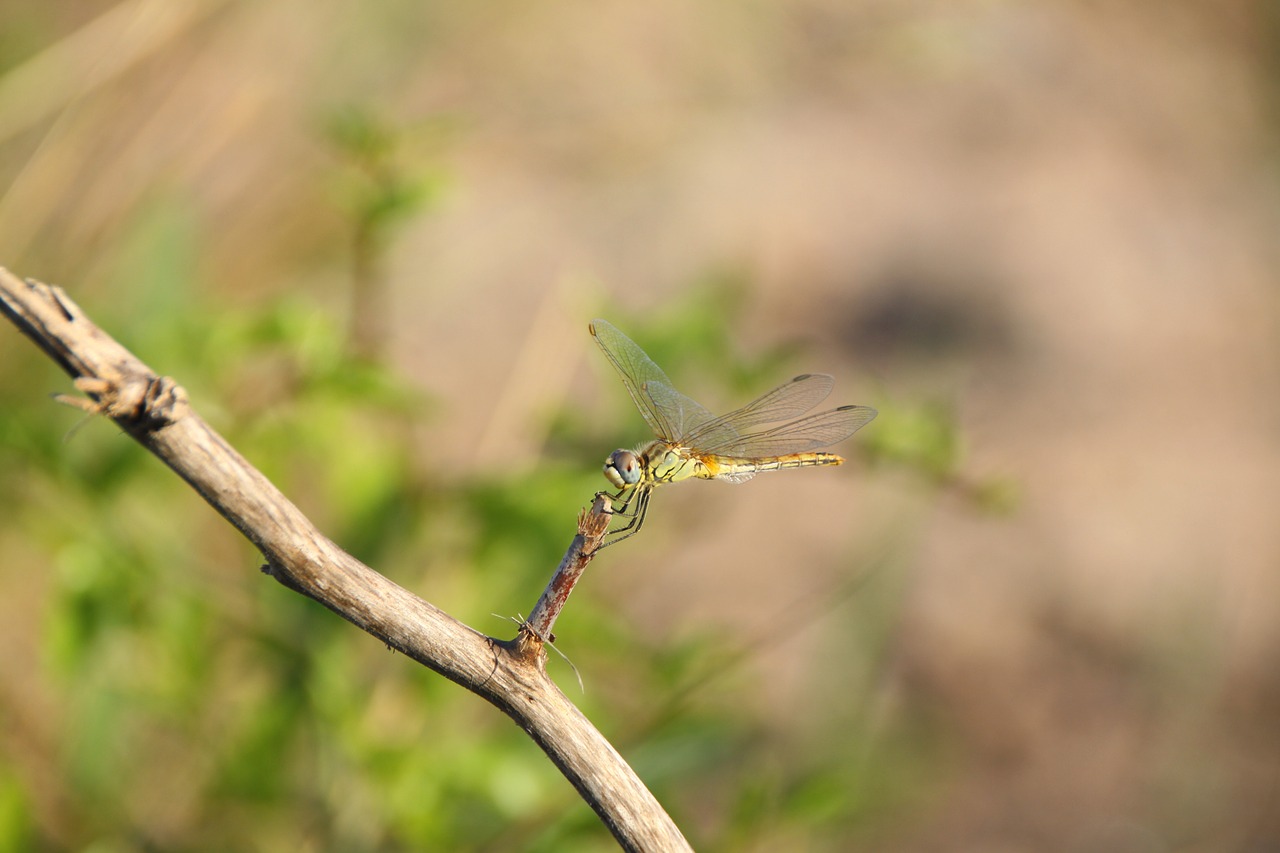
(678, 419)
(684, 415)
(800, 436)
(787, 401)
(668, 412)
(637, 371)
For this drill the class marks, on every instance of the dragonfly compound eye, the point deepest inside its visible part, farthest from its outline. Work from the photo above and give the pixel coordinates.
(622, 468)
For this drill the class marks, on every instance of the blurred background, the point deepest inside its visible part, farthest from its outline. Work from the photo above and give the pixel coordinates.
(1038, 610)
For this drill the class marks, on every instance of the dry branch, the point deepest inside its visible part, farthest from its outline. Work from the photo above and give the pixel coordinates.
(511, 675)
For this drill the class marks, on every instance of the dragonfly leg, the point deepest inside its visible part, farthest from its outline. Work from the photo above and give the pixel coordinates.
(634, 508)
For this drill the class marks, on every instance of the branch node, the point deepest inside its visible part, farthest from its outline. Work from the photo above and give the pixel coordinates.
(145, 403)
(529, 644)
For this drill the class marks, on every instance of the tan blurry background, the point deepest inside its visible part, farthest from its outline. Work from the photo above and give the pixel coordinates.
(1055, 220)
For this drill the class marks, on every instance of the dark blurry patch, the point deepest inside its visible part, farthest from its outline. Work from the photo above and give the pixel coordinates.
(924, 310)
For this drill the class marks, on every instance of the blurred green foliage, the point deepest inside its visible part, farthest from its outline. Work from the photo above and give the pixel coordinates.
(384, 182)
(386, 178)
(924, 439)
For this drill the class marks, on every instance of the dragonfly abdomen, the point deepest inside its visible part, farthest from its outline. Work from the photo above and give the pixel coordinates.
(729, 466)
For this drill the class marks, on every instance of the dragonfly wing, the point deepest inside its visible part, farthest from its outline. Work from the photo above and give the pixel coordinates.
(638, 372)
(684, 415)
(786, 402)
(803, 435)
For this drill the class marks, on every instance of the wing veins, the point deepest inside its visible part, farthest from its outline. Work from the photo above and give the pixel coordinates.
(684, 414)
(799, 436)
(789, 400)
(676, 418)
(639, 373)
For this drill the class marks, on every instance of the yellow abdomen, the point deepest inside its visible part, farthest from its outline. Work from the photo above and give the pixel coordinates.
(730, 467)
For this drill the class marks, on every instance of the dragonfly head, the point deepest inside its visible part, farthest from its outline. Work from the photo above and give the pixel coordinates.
(622, 468)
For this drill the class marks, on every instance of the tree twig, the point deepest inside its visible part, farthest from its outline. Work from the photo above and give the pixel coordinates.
(511, 675)
(592, 526)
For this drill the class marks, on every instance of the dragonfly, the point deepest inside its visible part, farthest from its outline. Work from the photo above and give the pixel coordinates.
(693, 443)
